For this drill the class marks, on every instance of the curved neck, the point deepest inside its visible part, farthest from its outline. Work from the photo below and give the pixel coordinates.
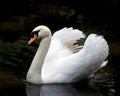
(34, 73)
(41, 53)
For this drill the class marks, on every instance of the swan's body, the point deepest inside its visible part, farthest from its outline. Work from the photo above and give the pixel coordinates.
(59, 60)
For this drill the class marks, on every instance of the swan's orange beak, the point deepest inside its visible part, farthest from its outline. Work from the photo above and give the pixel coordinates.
(33, 39)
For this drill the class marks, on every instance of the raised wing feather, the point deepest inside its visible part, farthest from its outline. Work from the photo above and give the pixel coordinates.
(62, 43)
(68, 37)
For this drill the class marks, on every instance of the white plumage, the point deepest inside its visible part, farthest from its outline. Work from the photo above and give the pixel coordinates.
(59, 60)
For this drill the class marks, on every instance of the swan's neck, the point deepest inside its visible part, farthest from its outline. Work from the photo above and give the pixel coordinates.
(34, 73)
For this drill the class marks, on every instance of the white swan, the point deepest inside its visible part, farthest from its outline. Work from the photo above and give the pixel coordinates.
(58, 60)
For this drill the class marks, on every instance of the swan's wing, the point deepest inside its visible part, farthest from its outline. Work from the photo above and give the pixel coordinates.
(63, 43)
(68, 37)
(81, 64)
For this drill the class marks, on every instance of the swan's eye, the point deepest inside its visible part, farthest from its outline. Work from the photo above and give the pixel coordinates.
(34, 32)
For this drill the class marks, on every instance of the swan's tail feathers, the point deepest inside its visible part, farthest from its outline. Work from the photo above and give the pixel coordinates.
(68, 37)
(97, 47)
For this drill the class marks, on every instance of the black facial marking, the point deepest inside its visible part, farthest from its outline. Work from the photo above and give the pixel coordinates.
(34, 32)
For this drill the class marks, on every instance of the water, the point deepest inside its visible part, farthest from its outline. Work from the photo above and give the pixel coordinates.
(76, 89)
(13, 91)
(100, 85)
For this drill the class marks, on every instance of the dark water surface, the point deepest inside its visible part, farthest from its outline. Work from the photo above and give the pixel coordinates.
(101, 85)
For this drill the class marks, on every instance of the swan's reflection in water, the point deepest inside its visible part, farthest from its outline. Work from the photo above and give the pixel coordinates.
(60, 90)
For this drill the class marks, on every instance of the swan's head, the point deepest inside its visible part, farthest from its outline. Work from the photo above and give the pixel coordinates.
(39, 32)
